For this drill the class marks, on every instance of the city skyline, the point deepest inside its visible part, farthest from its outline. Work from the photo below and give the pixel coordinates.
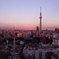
(24, 14)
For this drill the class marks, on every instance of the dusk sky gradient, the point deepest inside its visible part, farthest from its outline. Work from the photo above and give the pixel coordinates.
(24, 14)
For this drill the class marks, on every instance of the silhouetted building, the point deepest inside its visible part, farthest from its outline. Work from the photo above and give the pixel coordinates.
(56, 30)
(37, 28)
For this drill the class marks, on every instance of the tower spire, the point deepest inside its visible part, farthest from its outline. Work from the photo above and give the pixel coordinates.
(40, 13)
(40, 9)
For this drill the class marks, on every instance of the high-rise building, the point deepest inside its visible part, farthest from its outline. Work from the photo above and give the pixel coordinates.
(13, 28)
(40, 20)
(37, 28)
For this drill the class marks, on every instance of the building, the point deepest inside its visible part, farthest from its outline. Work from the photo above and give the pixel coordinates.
(37, 28)
(42, 51)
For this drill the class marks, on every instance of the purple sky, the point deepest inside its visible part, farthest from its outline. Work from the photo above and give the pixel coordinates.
(24, 14)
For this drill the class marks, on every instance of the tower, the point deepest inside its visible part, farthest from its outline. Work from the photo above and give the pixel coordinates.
(40, 21)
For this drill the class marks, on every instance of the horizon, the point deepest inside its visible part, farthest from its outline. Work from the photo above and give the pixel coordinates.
(25, 14)
(48, 28)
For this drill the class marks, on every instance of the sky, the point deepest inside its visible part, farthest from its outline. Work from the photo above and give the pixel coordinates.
(24, 14)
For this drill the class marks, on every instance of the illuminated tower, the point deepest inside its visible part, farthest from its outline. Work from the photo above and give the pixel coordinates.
(40, 21)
